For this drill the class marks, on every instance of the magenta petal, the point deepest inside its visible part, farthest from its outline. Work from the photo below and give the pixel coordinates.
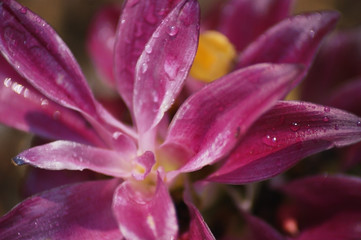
(25, 108)
(138, 21)
(34, 49)
(164, 64)
(198, 228)
(244, 20)
(143, 165)
(63, 155)
(143, 215)
(283, 136)
(345, 226)
(79, 211)
(260, 230)
(211, 122)
(100, 42)
(294, 40)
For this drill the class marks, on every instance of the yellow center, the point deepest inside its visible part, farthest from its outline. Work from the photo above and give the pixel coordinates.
(214, 58)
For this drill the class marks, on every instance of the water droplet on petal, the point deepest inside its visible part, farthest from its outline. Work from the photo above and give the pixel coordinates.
(270, 140)
(358, 123)
(23, 10)
(172, 31)
(144, 67)
(116, 135)
(327, 109)
(44, 102)
(148, 49)
(326, 119)
(312, 33)
(295, 126)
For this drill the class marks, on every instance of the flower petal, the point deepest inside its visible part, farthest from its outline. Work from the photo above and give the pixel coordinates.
(283, 136)
(345, 226)
(198, 228)
(260, 230)
(79, 211)
(242, 21)
(138, 21)
(64, 155)
(338, 60)
(143, 215)
(38, 114)
(37, 53)
(211, 122)
(100, 41)
(294, 40)
(164, 64)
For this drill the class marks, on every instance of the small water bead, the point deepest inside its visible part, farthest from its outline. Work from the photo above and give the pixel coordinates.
(326, 119)
(270, 140)
(312, 33)
(144, 67)
(172, 31)
(358, 123)
(148, 49)
(327, 109)
(295, 126)
(23, 10)
(116, 135)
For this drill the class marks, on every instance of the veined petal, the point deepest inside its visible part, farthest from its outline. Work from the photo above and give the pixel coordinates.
(293, 40)
(25, 108)
(242, 21)
(138, 21)
(211, 122)
(164, 64)
(64, 155)
(142, 215)
(283, 136)
(34, 49)
(101, 39)
(38, 54)
(79, 211)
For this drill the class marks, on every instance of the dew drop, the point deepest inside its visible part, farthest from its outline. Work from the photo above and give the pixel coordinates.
(148, 49)
(23, 10)
(327, 109)
(326, 119)
(270, 140)
(172, 31)
(144, 67)
(312, 33)
(295, 126)
(44, 102)
(358, 123)
(116, 135)
(7, 82)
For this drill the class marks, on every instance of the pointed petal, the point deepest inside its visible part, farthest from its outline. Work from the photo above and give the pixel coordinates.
(64, 155)
(164, 64)
(338, 60)
(211, 122)
(36, 113)
(285, 135)
(344, 226)
(242, 21)
(138, 21)
(294, 40)
(143, 165)
(100, 41)
(145, 216)
(260, 230)
(33, 48)
(79, 211)
(198, 228)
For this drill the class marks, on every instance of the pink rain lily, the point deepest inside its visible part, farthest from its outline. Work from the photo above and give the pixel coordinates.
(237, 121)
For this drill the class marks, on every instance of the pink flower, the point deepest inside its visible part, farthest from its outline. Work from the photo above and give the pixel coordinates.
(237, 120)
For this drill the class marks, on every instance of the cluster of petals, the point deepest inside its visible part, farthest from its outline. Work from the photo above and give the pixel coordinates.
(238, 121)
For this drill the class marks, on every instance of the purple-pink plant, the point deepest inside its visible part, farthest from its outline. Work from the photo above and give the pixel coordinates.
(238, 120)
